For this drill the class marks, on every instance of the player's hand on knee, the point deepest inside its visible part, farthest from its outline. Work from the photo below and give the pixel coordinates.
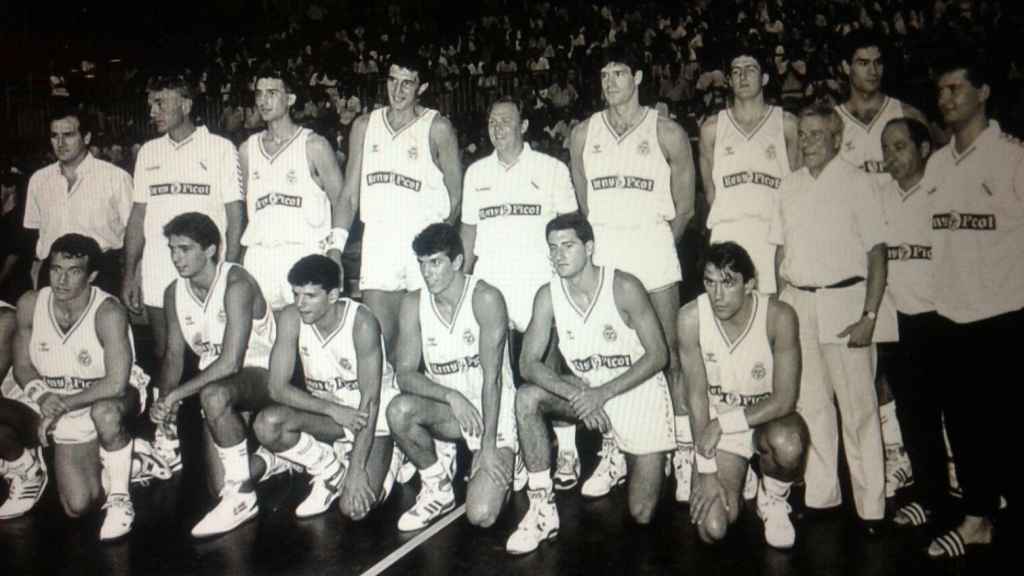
(709, 439)
(356, 493)
(468, 417)
(587, 402)
(489, 462)
(45, 427)
(164, 410)
(52, 405)
(349, 418)
(706, 491)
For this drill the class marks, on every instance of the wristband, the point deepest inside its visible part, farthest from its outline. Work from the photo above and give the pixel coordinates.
(335, 240)
(705, 465)
(35, 390)
(733, 421)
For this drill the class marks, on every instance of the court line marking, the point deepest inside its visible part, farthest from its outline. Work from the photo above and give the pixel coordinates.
(411, 545)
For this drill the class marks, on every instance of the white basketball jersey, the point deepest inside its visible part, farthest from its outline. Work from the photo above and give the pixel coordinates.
(283, 202)
(399, 178)
(331, 365)
(862, 143)
(67, 361)
(739, 372)
(451, 350)
(748, 168)
(203, 321)
(628, 177)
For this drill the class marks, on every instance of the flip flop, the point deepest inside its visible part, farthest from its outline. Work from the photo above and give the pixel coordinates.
(953, 546)
(915, 515)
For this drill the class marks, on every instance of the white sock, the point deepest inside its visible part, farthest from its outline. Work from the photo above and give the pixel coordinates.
(22, 464)
(684, 436)
(540, 480)
(891, 434)
(776, 487)
(118, 464)
(236, 462)
(434, 474)
(566, 436)
(316, 457)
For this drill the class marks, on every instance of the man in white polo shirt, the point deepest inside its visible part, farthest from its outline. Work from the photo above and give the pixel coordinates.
(977, 236)
(833, 272)
(508, 199)
(81, 194)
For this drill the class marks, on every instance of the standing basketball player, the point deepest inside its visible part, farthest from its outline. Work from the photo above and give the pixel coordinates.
(458, 327)
(74, 359)
(403, 173)
(611, 339)
(293, 181)
(633, 172)
(348, 381)
(216, 309)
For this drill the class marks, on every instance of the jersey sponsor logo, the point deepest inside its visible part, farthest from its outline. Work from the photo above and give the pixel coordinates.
(68, 382)
(759, 371)
(207, 348)
(623, 182)
(510, 210)
(179, 188)
(734, 399)
(332, 385)
(84, 358)
(905, 252)
(455, 366)
(748, 177)
(609, 333)
(873, 166)
(956, 221)
(278, 199)
(598, 361)
(393, 178)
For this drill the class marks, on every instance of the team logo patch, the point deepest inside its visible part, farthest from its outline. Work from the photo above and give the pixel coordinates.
(644, 148)
(710, 357)
(304, 350)
(596, 149)
(850, 146)
(189, 321)
(84, 358)
(729, 151)
(375, 148)
(570, 335)
(609, 333)
(291, 177)
(414, 153)
(255, 174)
(345, 364)
(44, 347)
(222, 316)
(468, 337)
(431, 341)
(769, 152)
(759, 371)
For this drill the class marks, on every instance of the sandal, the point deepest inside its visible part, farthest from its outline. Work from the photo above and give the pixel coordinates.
(953, 546)
(912, 515)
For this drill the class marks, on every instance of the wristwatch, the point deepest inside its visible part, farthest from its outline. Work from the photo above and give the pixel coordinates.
(870, 314)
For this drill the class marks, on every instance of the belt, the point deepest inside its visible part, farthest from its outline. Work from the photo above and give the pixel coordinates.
(851, 281)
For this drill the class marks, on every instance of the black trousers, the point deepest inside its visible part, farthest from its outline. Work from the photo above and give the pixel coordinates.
(915, 379)
(109, 277)
(980, 368)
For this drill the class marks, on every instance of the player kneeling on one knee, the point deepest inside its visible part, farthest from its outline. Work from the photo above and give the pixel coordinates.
(740, 354)
(458, 326)
(72, 353)
(333, 428)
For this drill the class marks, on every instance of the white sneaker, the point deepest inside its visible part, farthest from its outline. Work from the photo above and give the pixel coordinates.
(119, 518)
(168, 449)
(146, 464)
(325, 490)
(682, 462)
(275, 464)
(567, 471)
(519, 475)
(539, 524)
(898, 473)
(774, 511)
(610, 471)
(25, 489)
(431, 503)
(231, 511)
(750, 484)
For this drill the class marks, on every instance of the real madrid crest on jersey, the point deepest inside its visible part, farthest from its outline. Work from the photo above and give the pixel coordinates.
(84, 358)
(291, 177)
(414, 152)
(609, 333)
(758, 372)
(769, 152)
(644, 148)
(468, 337)
(345, 364)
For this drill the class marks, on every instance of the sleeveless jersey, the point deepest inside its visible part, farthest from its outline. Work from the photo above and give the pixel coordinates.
(627, 176)
(748, 169)
(283, 203)
(400, 181)
(331, 365)
(451, 350)
(862, 143)
(203, 322)
(67, 361)
(739, 373)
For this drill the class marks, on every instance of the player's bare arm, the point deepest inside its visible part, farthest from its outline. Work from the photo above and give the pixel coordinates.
(577, 141)
(535, 343)
(172, 365)
(635, 307)
(134, 242)
(366, 335)
(790, 131)
(324, 168)
(112, 331)
(235, 215)
(708, 130)
(344, 214)
(675, 144)
(24, 371)
(492, 316)
(444, 148)
(784, 339)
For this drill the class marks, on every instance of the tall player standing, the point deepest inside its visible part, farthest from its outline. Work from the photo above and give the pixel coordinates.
(633, 173)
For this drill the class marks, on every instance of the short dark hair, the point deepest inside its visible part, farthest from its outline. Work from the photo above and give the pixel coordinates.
(572, 221)
(622, 53)
(438, 237)
(412, 61)
(78, 246)
(275, 71)
(975, 69)
(180, 83)
(861, 38)
(730, 256)
(316, 269)
(746, 48)
(508, 99)
(61, 110)
(919, 132)
(196, 226)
